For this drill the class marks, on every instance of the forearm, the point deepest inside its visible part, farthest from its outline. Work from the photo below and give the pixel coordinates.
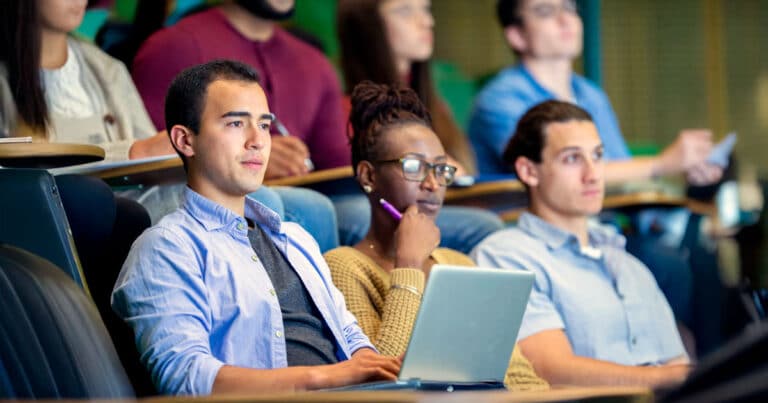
(401, 305)
(159, 144)
(640, 168)
(577, 370)
(238, 380)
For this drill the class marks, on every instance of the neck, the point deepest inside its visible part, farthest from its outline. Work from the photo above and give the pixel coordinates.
(379, 242)
(576, 225)
(403, 68)
(247, 24)
(53, 49)
(234, 203)
(553, 74)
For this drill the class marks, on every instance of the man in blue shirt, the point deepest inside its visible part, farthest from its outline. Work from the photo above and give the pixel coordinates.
(546, 36)
(595, 315)
(224, 297)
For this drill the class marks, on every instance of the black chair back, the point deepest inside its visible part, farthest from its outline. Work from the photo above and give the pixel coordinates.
(53, 343)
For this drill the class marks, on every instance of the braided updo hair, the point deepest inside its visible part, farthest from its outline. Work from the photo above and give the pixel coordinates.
(377, 108)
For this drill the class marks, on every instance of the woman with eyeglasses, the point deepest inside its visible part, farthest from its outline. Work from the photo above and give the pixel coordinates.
(399, 159)
(391, 42)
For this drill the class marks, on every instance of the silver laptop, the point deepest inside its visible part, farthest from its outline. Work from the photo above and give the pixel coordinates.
(465, 330)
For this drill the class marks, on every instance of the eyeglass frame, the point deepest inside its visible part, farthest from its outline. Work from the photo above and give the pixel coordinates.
(565, 6)
(431, 167)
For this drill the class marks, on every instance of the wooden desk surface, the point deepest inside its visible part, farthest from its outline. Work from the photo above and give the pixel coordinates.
(506, 197)
(557, 394)
(625, 394)
(48, 155)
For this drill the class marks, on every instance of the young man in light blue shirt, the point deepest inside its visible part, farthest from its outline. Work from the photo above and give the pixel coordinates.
(596, 315)
(224, 297)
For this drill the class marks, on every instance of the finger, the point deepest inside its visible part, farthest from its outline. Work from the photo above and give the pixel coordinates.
(413, 209)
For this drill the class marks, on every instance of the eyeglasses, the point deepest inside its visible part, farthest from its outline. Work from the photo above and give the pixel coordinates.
(416, 169)
(551, 9)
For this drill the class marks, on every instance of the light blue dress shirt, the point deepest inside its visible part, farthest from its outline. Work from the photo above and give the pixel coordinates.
(506, 98)
(609, 305)
(198, 297)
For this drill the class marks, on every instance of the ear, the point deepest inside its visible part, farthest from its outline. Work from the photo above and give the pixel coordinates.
(515, 38)
(366, 175)
(183, 140)
(527, 171)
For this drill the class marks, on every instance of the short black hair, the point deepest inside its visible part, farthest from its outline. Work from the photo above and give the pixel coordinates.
(530, 137)
(186, 96)
(508, 13)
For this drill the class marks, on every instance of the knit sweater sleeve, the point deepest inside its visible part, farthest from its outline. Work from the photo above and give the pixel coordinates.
(385, 306)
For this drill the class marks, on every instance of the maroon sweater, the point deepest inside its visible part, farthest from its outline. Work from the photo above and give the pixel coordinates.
(301, 85)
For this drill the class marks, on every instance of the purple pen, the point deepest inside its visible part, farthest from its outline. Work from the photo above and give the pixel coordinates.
(391, 209)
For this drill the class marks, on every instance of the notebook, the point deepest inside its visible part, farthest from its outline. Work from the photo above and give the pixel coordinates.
(464, 332)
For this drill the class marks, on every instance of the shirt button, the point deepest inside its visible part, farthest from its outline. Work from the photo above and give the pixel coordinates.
(634, 340)
(241, 226)
(278, 334)
(255, 258)
(272, 291)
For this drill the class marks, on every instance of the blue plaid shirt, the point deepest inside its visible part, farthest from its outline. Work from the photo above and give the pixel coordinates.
(198, 297)
(608, 305)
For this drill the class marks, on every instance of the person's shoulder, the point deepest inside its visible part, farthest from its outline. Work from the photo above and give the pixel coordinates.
(174, 227)
(345, 258)
(509, 90)
(302, 52)
(506, 236)
(94, 56)
(452, 256)
(588, 88)
(184, 35)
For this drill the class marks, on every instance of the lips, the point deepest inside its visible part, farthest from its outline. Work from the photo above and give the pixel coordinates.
(592, 193)
(253, 163)
(429, 206)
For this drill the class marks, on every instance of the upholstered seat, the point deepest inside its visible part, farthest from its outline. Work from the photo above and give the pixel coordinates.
(53, 343)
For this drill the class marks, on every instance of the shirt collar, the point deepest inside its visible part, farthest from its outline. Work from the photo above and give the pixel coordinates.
(555, 238)
(213, 216)
(532, 81)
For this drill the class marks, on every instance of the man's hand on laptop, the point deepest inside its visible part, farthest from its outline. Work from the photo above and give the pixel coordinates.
(365, 365)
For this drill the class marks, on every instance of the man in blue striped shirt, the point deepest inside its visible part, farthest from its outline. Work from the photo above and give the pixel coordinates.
(223, 296)
(595, 315)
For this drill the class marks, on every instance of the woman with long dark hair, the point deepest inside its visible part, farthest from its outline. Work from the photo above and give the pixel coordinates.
(60, 89)
(391, 41)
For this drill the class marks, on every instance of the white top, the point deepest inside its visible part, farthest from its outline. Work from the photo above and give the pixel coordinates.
(65, 92)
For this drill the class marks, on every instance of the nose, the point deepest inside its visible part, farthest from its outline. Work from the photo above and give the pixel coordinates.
(427, 19)
(430, 181)
(593, 171)
(256, 138)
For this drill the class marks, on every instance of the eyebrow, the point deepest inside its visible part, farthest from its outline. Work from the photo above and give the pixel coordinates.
(576, 148)
(263, 116)
(420, 155)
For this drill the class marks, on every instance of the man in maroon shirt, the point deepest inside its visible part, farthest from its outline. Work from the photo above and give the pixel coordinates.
(301, 85)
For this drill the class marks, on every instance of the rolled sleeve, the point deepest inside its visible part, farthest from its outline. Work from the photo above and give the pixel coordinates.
(161, 294)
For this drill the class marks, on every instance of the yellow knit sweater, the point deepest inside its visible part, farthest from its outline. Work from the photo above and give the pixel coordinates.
(387, 315)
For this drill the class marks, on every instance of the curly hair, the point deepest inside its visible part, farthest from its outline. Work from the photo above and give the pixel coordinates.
(377, 108)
